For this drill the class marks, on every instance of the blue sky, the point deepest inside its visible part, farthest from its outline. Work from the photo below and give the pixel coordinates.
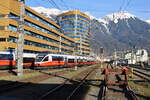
(98, 8)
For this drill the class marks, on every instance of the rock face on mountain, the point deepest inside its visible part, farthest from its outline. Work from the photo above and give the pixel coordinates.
(117, 31)
(120, 31)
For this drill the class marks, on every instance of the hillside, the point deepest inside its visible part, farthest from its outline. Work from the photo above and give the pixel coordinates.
(117, 31)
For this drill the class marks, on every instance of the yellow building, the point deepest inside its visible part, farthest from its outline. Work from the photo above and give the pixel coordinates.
(40, 33)
(75, 24)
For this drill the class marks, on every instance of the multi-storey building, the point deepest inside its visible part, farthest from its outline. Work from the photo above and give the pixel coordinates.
(40, 33)
(75, 24)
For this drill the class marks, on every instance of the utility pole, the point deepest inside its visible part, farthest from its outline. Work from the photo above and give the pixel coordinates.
(60, 37)
(20, 40)
(60, 44)
(80, 45)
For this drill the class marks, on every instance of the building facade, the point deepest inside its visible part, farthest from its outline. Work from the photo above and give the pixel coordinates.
(75, 25)
(40, 33)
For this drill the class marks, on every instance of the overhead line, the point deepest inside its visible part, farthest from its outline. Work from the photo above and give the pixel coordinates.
(66, 6)
(121, 6)
(55, 4)
(128, 3)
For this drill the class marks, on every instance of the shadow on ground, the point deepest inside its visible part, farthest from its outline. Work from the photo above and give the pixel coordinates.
(34, 91)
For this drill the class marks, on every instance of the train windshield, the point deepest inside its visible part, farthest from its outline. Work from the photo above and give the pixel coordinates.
(6, 57)
(40, 57)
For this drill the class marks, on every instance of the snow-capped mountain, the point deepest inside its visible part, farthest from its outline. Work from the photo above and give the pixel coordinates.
(148, 20)
(120, 30)
(50, 12)
(118, 16)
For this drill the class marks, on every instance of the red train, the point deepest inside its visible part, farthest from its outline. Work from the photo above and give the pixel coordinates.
(60, 60)
(8, 60)
(44, 60)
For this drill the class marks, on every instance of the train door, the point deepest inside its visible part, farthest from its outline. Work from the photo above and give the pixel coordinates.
(75, 60)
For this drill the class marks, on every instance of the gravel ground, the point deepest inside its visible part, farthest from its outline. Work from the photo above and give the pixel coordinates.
(35, 90)
(90, 91)
(94, 84)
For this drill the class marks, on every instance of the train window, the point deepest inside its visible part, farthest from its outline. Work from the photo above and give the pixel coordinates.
(78, 61)
(70, 60)
(28, 60)
(54, 58)
(39, 58)
(57, 58)
(6, 57)
(45, 59)
(2, 39)
(60, 58)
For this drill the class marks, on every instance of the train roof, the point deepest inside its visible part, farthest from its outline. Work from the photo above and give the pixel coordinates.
(69, 56)
(24, 54)
(29, 55)
(6, 52)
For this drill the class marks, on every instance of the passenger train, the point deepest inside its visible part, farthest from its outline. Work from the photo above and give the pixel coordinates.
(44, 60)
(8, 59)
(60, 60)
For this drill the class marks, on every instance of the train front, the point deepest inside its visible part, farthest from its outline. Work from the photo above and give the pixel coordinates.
(38, 60)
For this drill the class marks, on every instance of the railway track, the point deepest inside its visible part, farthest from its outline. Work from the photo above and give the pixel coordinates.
(71, 86)
(115, 86)
(6, 87)
(141, 73)
(141, 68)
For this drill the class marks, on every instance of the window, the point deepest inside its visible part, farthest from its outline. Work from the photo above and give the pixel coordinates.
(57, 58)
(14, 28)
(6, 56)
(27, 42)
(70, 60)
(2, 39)
(40, 28)
(71, 16)
(28, 13)
(2, 27)
(78, 60)
(13, 16)
(28, 60)
(45, 59)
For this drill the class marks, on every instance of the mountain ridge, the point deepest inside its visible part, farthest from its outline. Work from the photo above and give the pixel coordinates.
(116, 31)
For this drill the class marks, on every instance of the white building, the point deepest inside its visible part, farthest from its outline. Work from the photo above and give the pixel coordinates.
(131, 57)
(139, 56)
(142, 56)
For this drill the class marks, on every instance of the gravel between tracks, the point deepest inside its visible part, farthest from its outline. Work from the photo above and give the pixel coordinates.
(32, 91)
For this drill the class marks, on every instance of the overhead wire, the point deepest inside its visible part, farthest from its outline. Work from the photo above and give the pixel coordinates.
(66, 6)
(128, 3)
(54, 4)
(121, 6)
